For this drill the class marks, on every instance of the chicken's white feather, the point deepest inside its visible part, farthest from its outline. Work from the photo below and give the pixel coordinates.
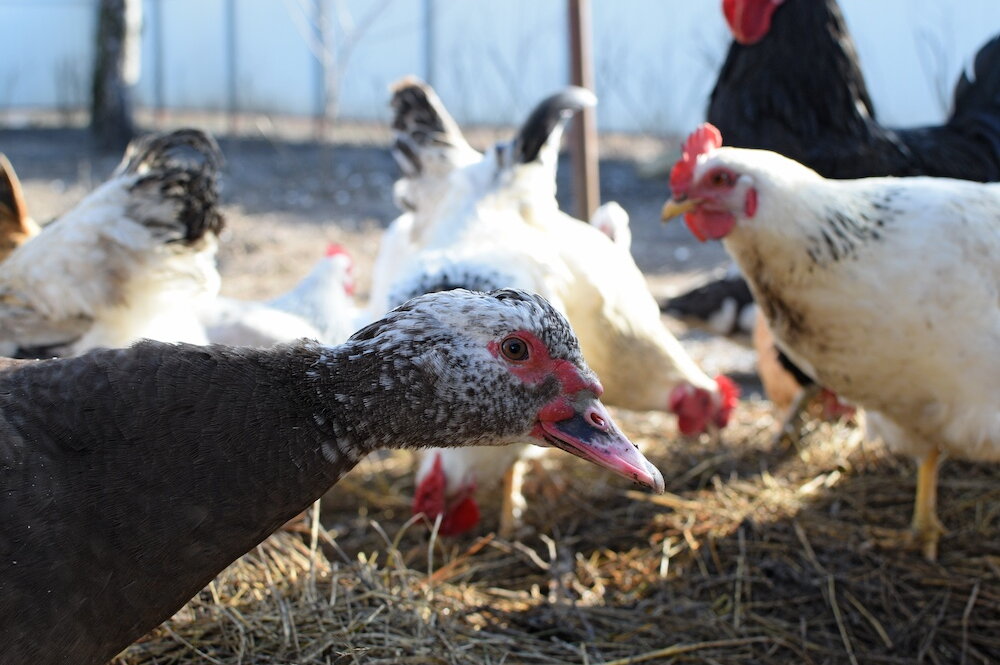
(131, 260)
(320, 307)
(497, 223)
(886, 290)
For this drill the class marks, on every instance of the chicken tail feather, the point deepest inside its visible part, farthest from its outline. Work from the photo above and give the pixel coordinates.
(976, 105)
(424, 128)
(544, 126)
(180, 167)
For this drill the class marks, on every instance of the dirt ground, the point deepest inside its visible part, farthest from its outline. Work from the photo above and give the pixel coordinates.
(758, 553)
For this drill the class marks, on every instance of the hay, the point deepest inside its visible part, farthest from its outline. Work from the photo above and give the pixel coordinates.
(757, 555)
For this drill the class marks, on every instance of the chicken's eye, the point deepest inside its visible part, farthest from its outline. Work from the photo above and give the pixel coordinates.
(514, 349)
(721, 179)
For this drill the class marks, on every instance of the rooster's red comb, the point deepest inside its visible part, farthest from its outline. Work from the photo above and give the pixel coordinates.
(701, 141)
(431, 500)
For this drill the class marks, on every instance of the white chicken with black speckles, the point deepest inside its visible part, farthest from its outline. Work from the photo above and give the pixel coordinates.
(886, 290)
(128, 261)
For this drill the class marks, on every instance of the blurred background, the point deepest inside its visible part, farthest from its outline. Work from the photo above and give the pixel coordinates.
(654, 61)
(297, 92)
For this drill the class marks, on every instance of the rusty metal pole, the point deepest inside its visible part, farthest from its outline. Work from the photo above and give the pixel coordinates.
(232, 60)
(583, 132)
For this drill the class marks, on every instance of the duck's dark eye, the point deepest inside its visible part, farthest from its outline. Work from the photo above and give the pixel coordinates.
(514, 349)
(722, 179)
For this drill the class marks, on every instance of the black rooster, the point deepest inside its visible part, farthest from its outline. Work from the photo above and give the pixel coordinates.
(798, 90)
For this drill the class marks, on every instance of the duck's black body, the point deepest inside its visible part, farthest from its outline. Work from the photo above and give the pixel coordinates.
(116, 511)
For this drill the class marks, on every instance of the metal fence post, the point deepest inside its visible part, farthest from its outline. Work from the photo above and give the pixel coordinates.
(583, 133)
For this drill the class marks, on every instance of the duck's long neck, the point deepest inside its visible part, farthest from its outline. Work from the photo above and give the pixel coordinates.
(166, 464)
(256, 436)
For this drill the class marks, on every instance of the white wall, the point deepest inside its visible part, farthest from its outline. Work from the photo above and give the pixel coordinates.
(913, 50)
(45, 52)
(655, 60)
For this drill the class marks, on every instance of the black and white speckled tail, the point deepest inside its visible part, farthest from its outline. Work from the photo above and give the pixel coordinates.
(543, 128)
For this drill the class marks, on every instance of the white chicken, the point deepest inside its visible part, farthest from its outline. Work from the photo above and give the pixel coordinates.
(494, 222)
(612, 220)
(129, 261)
(886, 290)
(428, 147)
(320, 307)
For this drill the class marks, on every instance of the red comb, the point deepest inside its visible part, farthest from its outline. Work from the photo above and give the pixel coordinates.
(730, 394)
(701, 141)
(333, 249)
(833, 407)
(688, 404)
(729, 11)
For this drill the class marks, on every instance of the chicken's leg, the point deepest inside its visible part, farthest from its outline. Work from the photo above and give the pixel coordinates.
(926, 528)
(513, 503)
(791, 428)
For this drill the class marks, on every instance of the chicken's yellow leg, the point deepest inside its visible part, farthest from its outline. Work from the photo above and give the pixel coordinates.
(926, 527)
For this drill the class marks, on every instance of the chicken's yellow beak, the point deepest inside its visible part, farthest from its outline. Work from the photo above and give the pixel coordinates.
(675, 207)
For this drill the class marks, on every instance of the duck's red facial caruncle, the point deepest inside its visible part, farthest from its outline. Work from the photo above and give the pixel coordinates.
(575, 420)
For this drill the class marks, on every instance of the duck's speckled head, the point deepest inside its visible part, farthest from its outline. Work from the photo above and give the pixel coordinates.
(493, 369)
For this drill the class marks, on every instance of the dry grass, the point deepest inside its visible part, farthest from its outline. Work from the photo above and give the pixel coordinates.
(757, 555)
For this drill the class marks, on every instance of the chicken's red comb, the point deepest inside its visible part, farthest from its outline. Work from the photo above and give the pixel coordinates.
(334, 249)
(431, 500)
(729, 11)
(701, 141)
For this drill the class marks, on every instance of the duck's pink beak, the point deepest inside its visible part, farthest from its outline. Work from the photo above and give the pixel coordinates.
(590, 433)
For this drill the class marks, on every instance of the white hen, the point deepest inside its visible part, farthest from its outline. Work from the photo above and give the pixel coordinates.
(612, 220)
(428, 147)
(496, 224)
(320, 307)
(886, 290)
(129, 261)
